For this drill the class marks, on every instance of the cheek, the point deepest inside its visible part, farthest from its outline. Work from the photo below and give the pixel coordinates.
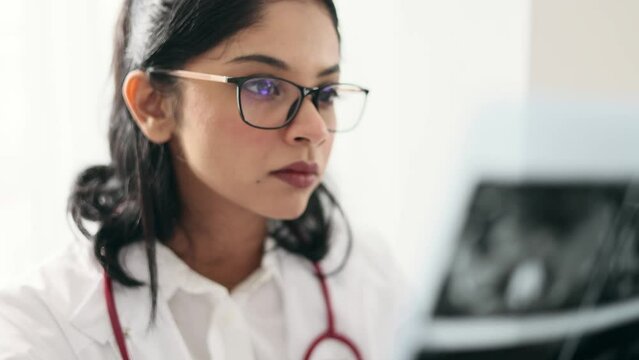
(323, 152)
(217, 143)
(328, 147)
(204, 110)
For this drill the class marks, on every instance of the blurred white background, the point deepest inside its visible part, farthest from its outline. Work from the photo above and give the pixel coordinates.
(432, 66)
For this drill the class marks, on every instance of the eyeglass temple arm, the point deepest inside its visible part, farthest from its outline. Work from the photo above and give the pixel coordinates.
(191, 75)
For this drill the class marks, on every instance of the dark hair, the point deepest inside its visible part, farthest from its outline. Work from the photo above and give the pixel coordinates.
(135, 198)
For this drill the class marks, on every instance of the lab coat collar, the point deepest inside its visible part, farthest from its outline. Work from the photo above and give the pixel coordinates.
(133, 304)
(134, 310)
(89, 316)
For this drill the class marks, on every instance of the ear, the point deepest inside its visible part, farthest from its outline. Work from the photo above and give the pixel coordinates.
(150, 109)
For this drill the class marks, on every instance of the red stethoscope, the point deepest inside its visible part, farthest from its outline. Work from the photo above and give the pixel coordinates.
(330, 334)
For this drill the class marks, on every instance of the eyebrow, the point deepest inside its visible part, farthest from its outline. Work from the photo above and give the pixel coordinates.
(279, 64)
(329, 71)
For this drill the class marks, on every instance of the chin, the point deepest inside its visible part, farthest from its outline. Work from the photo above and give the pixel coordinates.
(287, 214)
(286, 210)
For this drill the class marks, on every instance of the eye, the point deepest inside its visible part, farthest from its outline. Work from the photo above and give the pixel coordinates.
(327, 95)
(263, 87)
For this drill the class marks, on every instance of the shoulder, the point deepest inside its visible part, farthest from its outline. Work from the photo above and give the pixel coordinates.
(375, 252)
(370, 258)
(371, 293)
(35, 312)
(374, 257)
(371, 270)
(59, 282)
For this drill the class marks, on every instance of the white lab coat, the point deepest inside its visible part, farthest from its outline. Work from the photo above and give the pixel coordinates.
(60, 312)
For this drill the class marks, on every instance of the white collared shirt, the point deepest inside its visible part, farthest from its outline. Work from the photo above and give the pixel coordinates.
(60, 312)
(218, 324)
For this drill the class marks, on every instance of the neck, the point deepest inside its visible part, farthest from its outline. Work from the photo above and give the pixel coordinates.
(222, 242)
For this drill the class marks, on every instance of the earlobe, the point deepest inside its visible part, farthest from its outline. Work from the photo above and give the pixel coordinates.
(148, 107)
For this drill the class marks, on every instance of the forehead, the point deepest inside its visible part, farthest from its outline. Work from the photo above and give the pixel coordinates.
(300, 33)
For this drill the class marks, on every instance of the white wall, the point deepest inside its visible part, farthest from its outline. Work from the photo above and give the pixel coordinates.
(457, 58)
(50, 50)
(585, 48)
(365, 166)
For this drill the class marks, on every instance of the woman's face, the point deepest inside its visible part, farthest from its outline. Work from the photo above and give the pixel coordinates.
(218, 158)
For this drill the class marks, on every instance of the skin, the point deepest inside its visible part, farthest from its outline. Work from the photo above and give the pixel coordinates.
(223, 166)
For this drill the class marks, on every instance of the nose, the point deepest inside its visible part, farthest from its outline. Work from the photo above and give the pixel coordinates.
(308, 126)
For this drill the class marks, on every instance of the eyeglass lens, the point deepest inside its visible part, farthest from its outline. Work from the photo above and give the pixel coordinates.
(271, 103)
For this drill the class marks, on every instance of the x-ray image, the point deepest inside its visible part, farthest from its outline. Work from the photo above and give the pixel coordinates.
(542, 271)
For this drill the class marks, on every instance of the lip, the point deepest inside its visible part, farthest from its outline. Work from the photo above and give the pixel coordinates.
(298, 174)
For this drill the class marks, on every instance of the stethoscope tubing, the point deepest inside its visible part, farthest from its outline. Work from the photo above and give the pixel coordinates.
(113, 317)
(330, 332)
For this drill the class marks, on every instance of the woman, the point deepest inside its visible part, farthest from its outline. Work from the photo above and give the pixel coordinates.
(212, 234)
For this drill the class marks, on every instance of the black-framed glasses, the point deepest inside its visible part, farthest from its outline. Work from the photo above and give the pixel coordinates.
(268, 102)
